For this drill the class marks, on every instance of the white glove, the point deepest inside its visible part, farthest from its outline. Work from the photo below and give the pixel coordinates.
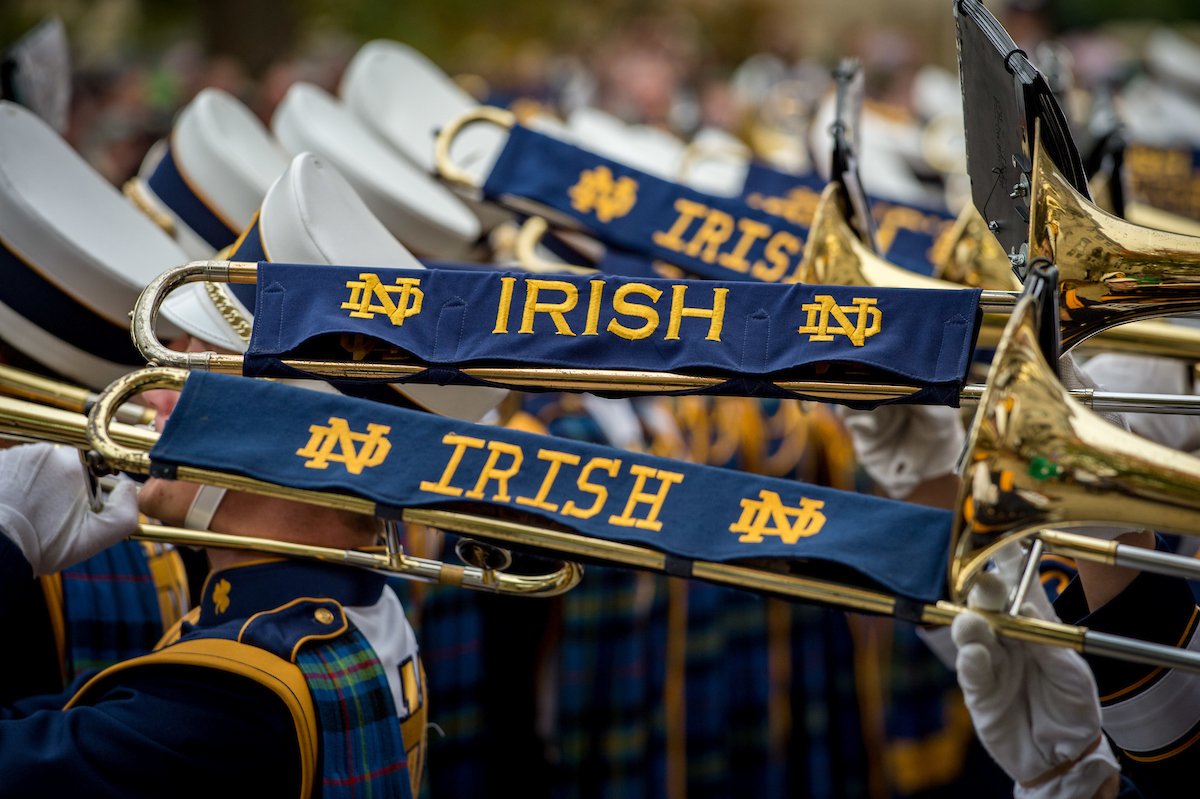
(44, 508)
(1034, 706)
(1153, 376)
(903, 445)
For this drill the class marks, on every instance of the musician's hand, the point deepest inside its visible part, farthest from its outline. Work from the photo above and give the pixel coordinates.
(1034, 706)
(44, 507)
(901, 446)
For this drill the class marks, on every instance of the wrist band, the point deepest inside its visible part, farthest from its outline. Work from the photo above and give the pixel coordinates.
(204, 506)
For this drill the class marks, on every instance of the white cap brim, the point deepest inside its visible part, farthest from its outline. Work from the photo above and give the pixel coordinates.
(417, 210)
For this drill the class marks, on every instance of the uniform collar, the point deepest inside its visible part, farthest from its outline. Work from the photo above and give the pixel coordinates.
(241, 591)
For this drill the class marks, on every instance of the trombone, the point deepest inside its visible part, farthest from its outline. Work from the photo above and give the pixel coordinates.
(146, 310)
(21, 384)
(32, 420)
(1113, 272)
(836, 256)
(1035, 458)
(104, 435)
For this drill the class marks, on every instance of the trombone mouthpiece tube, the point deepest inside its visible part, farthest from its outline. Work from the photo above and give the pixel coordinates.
(1113, 401)
(998, 301)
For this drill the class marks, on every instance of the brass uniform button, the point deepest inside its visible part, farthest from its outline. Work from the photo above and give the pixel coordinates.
(323, 616)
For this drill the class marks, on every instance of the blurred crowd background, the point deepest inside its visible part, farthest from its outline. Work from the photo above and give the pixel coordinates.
(679, 64)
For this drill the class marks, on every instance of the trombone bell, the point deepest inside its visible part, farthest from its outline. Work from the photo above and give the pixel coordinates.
(833, 255)
(1036, 458)
(1110, 271)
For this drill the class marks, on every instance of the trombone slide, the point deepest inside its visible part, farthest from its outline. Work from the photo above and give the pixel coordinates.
(636, 382)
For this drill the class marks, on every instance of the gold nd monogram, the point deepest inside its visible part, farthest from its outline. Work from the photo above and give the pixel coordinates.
(598, 192)
(868, 323)
(789, 524)
(368, 297)
(371, 451)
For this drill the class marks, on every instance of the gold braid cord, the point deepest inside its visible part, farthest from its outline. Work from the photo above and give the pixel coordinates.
(232, 316)
(134, 190)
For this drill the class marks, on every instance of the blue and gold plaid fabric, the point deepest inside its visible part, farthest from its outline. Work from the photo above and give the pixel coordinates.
(362, 753)
(110, 609)
(610, 721)
(771, 700)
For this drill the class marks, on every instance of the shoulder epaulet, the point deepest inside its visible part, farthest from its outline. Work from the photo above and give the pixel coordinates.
(285, 629)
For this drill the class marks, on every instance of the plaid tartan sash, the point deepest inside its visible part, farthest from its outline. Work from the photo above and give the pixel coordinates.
(362, 751)
(111, 609)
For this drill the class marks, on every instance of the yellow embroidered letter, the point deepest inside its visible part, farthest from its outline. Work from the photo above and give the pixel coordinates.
(501, 476)
(688, 211)
(621, 305)
(715, 315)
(556, 459)
(460, 443)
(610, 465)
(638, 496)
(555, 309)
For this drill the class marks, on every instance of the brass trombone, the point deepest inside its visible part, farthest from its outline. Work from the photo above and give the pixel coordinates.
(836, 256)
(146, 310)
(21, 384)
(135, 458)
(1113, 272)
(1035, 458)
(36, 421)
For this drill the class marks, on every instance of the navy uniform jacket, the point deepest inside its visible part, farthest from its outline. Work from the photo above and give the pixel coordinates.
(171, 730)
(1151, 714)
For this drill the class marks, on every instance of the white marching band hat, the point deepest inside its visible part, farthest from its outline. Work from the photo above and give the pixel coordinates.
(210, 176)
(406, 99)
(642, 147)
(74, 256)
(410, 203)
(313, 216)
(1159, 109)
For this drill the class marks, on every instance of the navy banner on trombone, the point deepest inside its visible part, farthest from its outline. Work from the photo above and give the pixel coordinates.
(399, 458)
(759, 236)
(713, 237)
(749, 333)
(909, 235)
